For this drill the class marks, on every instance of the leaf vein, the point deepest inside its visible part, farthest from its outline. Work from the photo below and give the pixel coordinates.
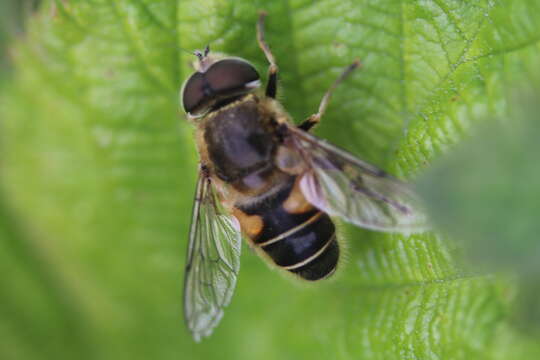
(146, 68)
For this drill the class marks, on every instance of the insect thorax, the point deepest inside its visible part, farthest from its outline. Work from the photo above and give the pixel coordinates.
(241, 144)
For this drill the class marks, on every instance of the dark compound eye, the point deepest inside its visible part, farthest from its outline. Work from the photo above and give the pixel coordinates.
(193, 95)
(225, 78)
(231, 75)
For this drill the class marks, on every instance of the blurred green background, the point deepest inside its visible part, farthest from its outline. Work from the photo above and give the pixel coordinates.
(97, 172)
(12, 16)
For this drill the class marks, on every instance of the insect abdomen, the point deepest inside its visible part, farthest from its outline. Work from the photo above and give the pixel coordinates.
(294, 234)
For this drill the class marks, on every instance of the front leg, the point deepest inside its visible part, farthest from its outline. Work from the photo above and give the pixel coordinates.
(271, 87)
(314, 119)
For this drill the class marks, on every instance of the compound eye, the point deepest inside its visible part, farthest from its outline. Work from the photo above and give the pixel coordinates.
(232, 76)
(224, 79)
(194, 95)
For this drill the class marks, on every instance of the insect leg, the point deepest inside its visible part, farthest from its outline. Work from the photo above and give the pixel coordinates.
(271, 87)
(315, 118)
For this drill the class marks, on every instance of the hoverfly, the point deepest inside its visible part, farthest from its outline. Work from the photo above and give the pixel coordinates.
(273, 182)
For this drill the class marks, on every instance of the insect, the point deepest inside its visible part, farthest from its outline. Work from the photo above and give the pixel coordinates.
(266, 179)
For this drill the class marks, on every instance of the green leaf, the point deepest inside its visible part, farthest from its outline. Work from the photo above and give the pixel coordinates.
(485, 193)
(98, 169)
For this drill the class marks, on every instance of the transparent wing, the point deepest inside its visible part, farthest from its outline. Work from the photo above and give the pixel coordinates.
(213, 261)
(344, 186)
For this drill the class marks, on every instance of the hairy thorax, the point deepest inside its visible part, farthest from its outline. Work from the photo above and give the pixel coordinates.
(239, 144)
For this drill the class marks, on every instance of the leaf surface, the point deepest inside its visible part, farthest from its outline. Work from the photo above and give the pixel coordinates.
(98, 171)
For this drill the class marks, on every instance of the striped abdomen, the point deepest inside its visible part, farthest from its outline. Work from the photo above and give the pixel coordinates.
(294, 234)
